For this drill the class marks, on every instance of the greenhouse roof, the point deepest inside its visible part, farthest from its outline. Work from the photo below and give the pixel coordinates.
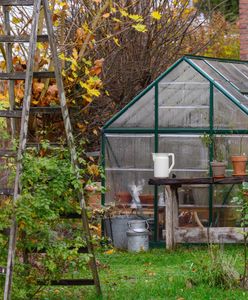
(229, 77)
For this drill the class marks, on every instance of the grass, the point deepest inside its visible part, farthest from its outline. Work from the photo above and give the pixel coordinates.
(157, 274)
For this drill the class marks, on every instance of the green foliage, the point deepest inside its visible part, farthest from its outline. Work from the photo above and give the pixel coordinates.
(218, 272)
(242, 200)
(229, 8)
(49, 190)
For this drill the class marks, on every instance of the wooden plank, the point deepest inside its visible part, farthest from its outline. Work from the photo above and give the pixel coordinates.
(208, 235)
(43, 250)
(22, 146)
(17, 113)
(206, 180)
(16, 2)
(70, 142)
(9, 67)
(22, 75)
(10, 113)
(68, 282)
(169, 219)
(22, 38)
(7, 192)
(7, 153)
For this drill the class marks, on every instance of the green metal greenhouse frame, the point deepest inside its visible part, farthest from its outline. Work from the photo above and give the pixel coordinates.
(213, 83)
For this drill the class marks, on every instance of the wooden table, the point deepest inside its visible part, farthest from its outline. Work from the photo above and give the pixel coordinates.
(172, 204)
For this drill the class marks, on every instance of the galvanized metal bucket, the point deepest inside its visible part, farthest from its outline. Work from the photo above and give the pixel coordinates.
(138, 236)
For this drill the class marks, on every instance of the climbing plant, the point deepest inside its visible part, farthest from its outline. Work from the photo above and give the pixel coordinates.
(48, 197)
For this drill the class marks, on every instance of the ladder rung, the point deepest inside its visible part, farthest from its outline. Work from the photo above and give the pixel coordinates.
(43, 250)
(7, 153)
(7, 192)
(11, 113)
(16, 2)
(21, 38)
(68, 282)
(22, 75)
(71, 216)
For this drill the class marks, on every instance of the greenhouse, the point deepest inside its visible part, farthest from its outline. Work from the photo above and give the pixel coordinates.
(198, 110)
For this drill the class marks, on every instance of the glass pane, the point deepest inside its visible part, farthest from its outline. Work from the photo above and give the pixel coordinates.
(229, 145)
(193, 205)
(225, 213)
(182, 73)
(191, 156)
(139, 115)
(225, 84)
(118, 185)
(231, 73)
(183, 99)
(129, 151)
(227, 115)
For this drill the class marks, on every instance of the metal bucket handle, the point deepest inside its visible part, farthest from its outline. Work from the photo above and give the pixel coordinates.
(130, 225)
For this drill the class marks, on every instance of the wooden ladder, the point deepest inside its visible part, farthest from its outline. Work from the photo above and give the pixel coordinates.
(28, 76)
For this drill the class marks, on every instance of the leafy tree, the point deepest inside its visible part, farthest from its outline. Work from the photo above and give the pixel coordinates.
(228, 8)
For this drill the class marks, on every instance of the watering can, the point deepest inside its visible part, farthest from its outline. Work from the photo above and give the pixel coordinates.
(161, 164)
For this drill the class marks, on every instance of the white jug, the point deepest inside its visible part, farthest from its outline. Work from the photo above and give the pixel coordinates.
(161, 164)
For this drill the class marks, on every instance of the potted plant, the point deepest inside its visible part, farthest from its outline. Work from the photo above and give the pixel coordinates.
(239, 161)
(219, 163)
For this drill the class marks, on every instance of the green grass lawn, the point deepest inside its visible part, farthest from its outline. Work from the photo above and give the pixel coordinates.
(157, 274)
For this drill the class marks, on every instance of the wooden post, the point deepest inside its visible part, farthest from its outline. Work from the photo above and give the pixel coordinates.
(171, 216)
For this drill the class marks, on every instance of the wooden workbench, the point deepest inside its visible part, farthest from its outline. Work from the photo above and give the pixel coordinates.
(174, 233)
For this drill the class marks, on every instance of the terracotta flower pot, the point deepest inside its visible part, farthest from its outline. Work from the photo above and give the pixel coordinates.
(218, 168)
(123, 197)
(146, 198)
(239, 165)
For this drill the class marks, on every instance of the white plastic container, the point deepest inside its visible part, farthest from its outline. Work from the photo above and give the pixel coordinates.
(161, 164)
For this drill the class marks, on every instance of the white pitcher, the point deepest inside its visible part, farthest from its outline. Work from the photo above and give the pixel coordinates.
(161, 164)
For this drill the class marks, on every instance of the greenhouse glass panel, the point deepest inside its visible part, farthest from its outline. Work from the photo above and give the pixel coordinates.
(225, 213)
(231, 73)
(183, 99)
(186, 146)
(234, 93)
(243, 68)
(138, 115)
(129, 151)
(119, 182)
(182, 73)
(227, 115)
(128, 161)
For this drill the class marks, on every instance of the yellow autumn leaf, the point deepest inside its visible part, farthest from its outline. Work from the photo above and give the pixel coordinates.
(123, 12)
(62, 56)
(87, 98)
(3, 97)
(73, 68)
(16, 20)
(93, 92)
(136, 18)
(106, 15)
(116, 42)
(156, 15)
(117, 20)
(75, 53)
(111, 251)
(75, 75)
(40, 46)
(140, 27)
